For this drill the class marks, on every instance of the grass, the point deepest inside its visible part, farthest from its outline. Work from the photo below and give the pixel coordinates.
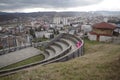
(100, 62)
(41, 48)
(40, 39)
(24, 62)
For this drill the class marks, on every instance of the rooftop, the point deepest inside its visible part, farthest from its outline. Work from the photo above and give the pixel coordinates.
(104, 25)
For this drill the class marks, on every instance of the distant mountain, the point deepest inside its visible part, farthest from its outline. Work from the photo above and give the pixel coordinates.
(8, 16)
(3, 13)
(108, 13)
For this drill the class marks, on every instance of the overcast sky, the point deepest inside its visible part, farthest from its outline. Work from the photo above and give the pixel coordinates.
(58, 5)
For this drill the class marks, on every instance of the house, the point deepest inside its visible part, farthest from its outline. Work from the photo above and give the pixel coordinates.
(102, 32)
(117, 30)
(7, 41)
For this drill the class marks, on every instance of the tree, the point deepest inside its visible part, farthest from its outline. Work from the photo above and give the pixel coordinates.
(32, 32)
(57, 32)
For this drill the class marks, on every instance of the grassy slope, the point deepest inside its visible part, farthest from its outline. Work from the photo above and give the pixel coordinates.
(100, 62)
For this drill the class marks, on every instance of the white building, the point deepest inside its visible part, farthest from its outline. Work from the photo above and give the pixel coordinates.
(86, 28)
(47, 35)
(61, 20)
(101, 38)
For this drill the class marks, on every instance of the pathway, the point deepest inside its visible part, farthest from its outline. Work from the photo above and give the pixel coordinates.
(17, 56)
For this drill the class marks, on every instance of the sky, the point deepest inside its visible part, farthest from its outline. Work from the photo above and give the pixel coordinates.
(58, 5)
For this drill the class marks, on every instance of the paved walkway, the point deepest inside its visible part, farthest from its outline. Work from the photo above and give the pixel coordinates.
(17, 56)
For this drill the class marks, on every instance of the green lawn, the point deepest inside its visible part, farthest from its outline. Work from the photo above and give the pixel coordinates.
(24, 62)
(41, 48)
(40, 39)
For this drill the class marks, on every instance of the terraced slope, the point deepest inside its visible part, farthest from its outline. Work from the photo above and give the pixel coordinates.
(100, 62)
(62, 48)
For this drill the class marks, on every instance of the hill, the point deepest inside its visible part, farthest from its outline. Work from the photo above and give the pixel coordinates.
(4, 16)
(100, 62)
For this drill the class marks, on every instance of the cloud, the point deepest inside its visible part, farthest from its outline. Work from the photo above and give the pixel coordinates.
(22, 4)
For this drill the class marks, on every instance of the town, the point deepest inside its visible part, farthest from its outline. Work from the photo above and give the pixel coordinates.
(29, 40)
(59, 40)
(23, 31)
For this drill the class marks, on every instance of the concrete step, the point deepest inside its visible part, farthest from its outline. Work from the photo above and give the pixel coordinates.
(63, 41)
(57, 48)
(63, 45)
(58, 45)
(51, 52)
(46, 54)
(70, 42)
(72, 39)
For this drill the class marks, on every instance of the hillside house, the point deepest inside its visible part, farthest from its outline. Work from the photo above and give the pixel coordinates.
(102, 32)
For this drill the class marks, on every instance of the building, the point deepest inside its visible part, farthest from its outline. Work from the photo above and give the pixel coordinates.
(86, 28)
(61, 20)
(102, 32)
(117, 30)
(7, 41)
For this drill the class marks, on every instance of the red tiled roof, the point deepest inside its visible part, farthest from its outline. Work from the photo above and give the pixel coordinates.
(104, 25)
